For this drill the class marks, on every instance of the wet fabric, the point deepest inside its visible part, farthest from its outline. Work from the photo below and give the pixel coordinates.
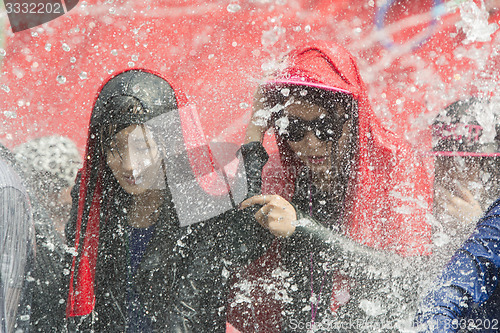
(45, 304)
(16, 249)
(388, 195)
(49, 291)
(139, 239)
(211, 172)
(389, 192)
(467, 290)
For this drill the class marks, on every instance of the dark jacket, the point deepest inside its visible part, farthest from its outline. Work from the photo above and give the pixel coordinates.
(49, 290)
(467, 290)
(180, 281)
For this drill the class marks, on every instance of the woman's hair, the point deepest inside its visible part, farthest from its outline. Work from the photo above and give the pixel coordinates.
(120, 111)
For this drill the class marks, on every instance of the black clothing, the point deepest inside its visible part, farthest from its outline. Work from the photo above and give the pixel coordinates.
(182, 278)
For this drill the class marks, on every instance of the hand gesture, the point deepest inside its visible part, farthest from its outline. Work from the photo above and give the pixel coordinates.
(462, 206)
(277, 215)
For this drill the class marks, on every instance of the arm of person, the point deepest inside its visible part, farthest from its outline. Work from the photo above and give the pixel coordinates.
(380, 277)
(362, 261)
(259, 121)
(282, 219)
(468, 281)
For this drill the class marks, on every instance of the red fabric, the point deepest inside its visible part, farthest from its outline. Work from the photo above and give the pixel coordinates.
(81, 293)
(200, 155)
(389, 193)
(203, 44)
(81, 298)
(213, 54)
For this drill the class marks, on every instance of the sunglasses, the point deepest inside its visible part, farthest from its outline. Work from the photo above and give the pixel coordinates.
(327, 128)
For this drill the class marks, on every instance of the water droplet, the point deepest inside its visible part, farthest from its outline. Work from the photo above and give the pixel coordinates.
(10, 114)
(307, 28)
(234, 44)
(61, 79)
(34, 34)
(131, 64)
(135, 57)
(83, 75)
(112, 10)
(244, 105)
(5, 87)
(233, 7)
(48, 46)
(114, 52)
(66, 47)
(210, 56)
(72, 60)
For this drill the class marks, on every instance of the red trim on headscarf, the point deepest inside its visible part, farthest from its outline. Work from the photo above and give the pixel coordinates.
(82, 298)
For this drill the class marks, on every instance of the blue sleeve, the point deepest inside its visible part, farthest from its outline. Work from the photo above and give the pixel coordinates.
(469, 279)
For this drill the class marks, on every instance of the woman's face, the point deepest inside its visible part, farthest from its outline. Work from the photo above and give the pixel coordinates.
(318, 155)
(134, 159)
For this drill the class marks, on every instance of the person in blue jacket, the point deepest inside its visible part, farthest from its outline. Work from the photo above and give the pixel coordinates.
(466, 296)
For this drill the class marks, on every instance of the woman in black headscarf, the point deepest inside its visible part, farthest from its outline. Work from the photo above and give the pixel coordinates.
(135, 267)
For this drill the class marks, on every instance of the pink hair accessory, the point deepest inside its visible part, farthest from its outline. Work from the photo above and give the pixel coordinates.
(460, 153)
(297, 81)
